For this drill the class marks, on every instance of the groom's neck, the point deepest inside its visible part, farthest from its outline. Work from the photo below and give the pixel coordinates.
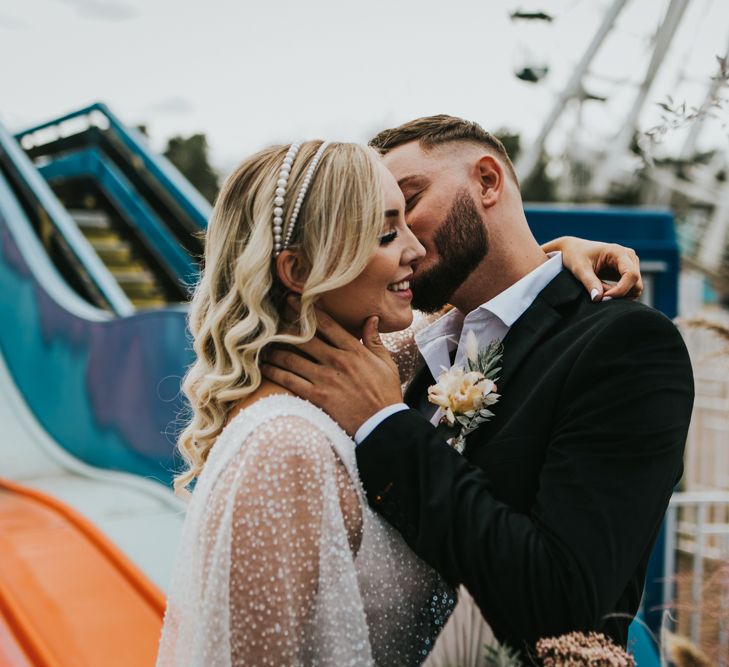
(499, 270)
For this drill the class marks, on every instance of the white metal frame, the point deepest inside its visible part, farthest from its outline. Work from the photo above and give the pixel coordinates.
(697, 523)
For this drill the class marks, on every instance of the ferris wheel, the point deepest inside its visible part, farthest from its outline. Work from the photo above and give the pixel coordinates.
(607, 149)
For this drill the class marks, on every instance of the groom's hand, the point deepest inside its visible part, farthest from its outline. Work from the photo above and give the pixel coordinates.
(348, 379)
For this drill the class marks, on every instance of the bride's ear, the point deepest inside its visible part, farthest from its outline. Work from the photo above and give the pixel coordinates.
(291, 271)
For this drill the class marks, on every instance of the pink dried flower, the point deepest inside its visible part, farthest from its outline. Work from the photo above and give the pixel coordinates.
(577, 649)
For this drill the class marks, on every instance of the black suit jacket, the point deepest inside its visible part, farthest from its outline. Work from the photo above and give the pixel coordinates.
(550, 515)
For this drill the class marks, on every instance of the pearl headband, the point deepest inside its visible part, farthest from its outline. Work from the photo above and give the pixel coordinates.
(281, 242)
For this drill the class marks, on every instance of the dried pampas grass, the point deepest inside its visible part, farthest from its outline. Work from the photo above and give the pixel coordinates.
(721, 330)
(681, 652)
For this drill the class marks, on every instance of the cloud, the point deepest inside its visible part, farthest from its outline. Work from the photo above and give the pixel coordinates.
(107, 10)
(178, 106)
(11, 23)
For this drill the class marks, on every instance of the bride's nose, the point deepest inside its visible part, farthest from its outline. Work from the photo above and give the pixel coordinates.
(414, 250)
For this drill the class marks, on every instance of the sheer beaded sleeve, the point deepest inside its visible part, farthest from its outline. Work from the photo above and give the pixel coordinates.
(273, 529)
(402, 347)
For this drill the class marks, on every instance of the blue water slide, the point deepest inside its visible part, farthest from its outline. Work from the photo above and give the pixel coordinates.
(186, 198)
(48, 208)
(91, 163)
(104, 384)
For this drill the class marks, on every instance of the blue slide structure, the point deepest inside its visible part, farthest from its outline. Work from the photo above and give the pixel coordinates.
(100, 372)
(100, 240)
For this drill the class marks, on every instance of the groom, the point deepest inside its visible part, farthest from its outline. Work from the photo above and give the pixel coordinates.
(549, 516)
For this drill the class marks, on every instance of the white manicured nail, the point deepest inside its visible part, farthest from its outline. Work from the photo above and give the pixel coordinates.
(594, 293)
(607, 298)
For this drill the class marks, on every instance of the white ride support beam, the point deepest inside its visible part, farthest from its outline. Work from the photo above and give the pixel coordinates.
(609, 167)
(715, 83)
(714, 242)
(529, 159)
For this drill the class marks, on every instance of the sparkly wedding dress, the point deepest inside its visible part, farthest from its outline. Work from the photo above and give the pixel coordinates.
(267, 572)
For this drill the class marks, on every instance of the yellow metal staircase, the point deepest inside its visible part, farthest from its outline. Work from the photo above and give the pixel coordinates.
(131, 272)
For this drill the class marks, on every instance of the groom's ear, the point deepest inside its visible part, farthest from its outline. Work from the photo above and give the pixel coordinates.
(491, 178)
(291, 270)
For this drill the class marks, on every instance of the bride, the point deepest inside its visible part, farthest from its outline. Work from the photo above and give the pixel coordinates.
(281, 561)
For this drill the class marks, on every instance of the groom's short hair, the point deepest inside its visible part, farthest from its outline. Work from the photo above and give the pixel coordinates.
(431, 131)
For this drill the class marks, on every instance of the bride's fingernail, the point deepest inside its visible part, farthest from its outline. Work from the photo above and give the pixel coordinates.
(594, 293)
(607, 298)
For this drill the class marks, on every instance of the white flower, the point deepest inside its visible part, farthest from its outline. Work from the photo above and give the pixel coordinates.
(464, 396)
(459, 392)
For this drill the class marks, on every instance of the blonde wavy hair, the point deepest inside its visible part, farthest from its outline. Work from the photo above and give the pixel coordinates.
(237, 309)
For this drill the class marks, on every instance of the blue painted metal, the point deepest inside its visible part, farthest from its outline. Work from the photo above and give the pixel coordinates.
(106, 389)
(651, 233)
(91, 163)
(186, 196)
(642, 645)
(49, 207)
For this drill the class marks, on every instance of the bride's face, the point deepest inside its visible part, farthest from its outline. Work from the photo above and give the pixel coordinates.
(383, 288)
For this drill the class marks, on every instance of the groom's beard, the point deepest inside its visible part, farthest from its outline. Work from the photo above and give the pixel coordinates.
(461, 242)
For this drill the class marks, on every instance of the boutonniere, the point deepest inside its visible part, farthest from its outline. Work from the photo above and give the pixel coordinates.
(465, 395)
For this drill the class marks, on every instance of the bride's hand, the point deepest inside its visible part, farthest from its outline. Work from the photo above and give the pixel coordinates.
(589, 261)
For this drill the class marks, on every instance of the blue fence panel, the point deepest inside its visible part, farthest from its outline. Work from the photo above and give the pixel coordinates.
(651, 233)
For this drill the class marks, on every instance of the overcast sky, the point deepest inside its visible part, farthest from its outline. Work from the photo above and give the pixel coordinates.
(251, 73)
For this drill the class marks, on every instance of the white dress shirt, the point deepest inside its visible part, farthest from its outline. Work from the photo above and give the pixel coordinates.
(490, 321)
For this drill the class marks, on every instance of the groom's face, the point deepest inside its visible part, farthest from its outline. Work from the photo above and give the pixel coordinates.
(441, 209)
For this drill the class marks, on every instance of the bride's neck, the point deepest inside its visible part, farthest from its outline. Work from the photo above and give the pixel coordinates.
(266, 388)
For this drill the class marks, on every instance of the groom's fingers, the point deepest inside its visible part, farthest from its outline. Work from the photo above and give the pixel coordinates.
(334, 332)
(288, 380)
(295, 363)
(371, 338)
(319, 350)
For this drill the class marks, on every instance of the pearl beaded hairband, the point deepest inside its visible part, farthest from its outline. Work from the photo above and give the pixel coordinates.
(281, 242)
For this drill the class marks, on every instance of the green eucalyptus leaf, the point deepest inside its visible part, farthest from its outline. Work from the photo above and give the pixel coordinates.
(501, 655)
(493, 374)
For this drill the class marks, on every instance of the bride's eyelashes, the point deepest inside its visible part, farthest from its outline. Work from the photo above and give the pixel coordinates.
(388, 238)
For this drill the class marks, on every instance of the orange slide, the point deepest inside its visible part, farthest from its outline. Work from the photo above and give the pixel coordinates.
(68, 596)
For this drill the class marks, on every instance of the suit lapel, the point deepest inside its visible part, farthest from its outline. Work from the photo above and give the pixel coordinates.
(523, 336)
(418, 387)
(526, 332)
(536, 322)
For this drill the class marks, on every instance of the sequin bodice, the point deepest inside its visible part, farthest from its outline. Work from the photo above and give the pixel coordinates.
(267, 573)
